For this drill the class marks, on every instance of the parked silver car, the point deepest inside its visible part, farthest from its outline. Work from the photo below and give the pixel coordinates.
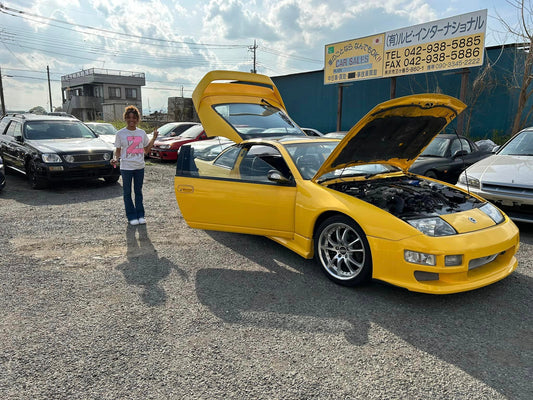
(505, 178)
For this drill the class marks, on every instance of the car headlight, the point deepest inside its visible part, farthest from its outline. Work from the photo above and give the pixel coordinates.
(469, 180)
(51, 158)
(492, 212)
(164, 146)
(433, 226)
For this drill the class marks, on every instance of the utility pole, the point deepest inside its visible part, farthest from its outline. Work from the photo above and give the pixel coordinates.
(2, 94)
(253, 48)
(49, 90)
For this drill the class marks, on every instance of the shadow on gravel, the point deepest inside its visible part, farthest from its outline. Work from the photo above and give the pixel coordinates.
(144, 268)
(59, 193)
(486, 332)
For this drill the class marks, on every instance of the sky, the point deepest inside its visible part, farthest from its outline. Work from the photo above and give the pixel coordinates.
(174, 43)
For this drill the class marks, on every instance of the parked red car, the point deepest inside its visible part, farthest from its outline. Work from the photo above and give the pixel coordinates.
(166, 148)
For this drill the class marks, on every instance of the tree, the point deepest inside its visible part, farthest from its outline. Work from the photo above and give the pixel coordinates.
(523, 74)
(37, 110)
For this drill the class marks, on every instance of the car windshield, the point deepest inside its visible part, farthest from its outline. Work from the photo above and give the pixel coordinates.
(103, 129)
(258, 120)
(45, 130)
(192, 132)
(520, 145)
(437, 147)
(166, 129)
(309, 157)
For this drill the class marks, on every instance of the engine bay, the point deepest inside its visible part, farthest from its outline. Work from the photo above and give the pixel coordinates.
(409, 196)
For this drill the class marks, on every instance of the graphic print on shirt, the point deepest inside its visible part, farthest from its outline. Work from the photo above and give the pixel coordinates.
(134, 143)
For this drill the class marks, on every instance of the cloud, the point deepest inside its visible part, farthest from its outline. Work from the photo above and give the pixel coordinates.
(233, 20)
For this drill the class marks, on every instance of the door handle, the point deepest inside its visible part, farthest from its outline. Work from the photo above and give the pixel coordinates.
(185, 189)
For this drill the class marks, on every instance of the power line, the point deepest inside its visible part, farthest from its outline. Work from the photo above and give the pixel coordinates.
(25, 15)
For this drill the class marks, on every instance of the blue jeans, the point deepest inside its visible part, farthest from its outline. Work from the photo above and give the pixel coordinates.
(137, 177)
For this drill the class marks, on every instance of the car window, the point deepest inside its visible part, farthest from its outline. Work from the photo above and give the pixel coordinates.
(460, 144)
(103, 129)
(521, 144)
(14, 129)
(178, 130)
(47, 130)
(258, 160)
(166, 129)
(250, 163)
(227, 159)
(309, 157)
(192, 132)
(258, 120)
(437, 148)
(3, 124)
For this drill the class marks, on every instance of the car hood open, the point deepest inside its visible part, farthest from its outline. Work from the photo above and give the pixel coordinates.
(394, 132)
(228, 88)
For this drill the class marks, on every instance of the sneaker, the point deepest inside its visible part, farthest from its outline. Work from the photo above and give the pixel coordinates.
(142, 221)
(134, 222)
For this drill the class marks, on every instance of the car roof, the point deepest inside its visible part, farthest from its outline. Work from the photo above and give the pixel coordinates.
(42, 117)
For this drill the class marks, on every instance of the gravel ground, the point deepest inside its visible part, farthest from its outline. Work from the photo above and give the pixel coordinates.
(93, 309)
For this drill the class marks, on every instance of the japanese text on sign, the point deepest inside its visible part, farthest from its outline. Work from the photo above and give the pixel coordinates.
(455, 42)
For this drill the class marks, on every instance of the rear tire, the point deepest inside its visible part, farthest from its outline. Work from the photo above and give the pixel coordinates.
(343, 252)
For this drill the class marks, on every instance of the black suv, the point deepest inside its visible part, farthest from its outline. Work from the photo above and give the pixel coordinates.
(50, 148)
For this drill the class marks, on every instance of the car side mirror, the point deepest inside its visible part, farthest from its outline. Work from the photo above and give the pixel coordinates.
(18, 139)
(495, 150)
(460, 153)
(276, 176)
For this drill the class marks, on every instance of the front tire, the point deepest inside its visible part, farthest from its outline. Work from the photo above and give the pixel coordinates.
(111, 179)
(431, 174)
(343, 252)
(36, 182)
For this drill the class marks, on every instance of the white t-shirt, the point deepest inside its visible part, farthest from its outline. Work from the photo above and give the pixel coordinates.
(132, 144)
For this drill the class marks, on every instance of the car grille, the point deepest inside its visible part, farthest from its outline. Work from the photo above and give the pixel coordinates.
(479, 262)
(509, 190)
(86, 157)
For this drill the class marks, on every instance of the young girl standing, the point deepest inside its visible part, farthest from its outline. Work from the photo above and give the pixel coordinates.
(131, 144)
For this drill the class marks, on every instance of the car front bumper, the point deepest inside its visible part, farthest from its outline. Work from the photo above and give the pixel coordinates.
(488, 256)
(164, 154)
(64, 171)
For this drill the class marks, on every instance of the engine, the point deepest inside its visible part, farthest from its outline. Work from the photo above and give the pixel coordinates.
(409, 196)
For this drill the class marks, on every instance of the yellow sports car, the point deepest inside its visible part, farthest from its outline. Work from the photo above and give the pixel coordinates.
(350, 203)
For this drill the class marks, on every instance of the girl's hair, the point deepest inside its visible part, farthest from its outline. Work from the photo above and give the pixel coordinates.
(132, 110)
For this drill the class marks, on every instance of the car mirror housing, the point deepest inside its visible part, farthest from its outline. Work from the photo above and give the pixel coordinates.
(276, 176)
(460, 153)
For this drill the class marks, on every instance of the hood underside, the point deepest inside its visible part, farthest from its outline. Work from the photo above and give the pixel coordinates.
(394, 132)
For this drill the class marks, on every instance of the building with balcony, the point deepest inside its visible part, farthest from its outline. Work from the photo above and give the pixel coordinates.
(101, 94)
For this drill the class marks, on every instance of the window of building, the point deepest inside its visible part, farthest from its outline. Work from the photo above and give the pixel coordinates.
(131, 93)
(114, 93)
